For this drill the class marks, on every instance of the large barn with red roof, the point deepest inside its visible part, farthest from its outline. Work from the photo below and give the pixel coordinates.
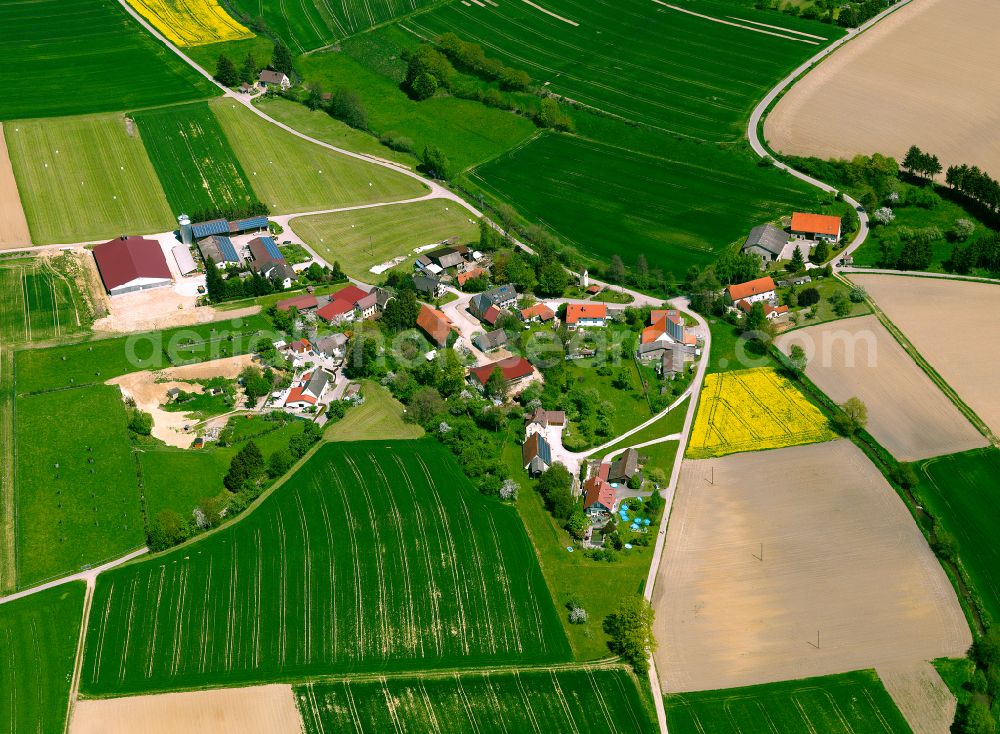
(129, 264)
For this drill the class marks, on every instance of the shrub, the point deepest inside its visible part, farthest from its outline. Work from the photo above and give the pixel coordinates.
(808, 297)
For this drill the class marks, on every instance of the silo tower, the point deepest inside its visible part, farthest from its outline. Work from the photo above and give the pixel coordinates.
(187, 234)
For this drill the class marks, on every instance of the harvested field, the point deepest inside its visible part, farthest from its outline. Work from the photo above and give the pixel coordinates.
(842, 558)
(583, 701)
(940, 50)
(254, 710)
(372, 554)
(953, 325)
(752, 410)
(13, 225)
(907, 413)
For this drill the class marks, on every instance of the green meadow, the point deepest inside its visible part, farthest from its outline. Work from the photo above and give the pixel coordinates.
(72, 57)
(38, 640)
(36, 302)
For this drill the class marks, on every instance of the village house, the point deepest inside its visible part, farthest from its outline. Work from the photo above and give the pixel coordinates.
(536, 454)
(488, 305)
(770, 312)
(513, 369)
(309, 389)
(491, 340)
(586, 314)
(434, 324)
(269, 78)
(599, 496)
(761, 289)
(815, 227)
(302, 303)
(626, 467)
(471, 274)
(540, 419)
(428, 285)
(347, 304)
(332, 346)
(768, 243)
(538, 312)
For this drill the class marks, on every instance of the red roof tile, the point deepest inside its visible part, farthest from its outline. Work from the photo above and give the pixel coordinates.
(816, 224)
(750, 288)
(577, 311)
(124, 260)
(513, 368)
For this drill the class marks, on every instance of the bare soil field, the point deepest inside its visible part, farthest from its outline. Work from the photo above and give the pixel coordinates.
(256, 710)
(149, 390)
(954, 326)
(921, 696)
(907, 412)
(842, 557)
(161, 308)
(927, 75)
(13, 226)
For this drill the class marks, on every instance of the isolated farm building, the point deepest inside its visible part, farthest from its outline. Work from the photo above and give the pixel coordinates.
(815, 227)
(332, 346)
(212, 227)
(770, 312)
(185, 263)
(218, 250)
(768, 243)
(536, 454)
(625, 467)
(538, 312)
(308, 390)
(598, 497)
(428, 285)
(173, 393)
(586, 314)
(472, 274)
(491, 340)
(130, 264)
(305, 302)
(761, 289)
(269, 78)
(434, 324)
(514, 369)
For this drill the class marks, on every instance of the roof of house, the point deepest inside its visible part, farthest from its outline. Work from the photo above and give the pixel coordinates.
(816, 223)
(658, 324)
(603, 470)
(434, 323)
(331, 342)
(425, 283)
(768, 308)
(547, 417)
(500, 293)
(536, 445)
(367, 301)
(300, 345)
(335, 308)
(598, 491)
(317, 383)
(513, 368)
(182, 255)
(272, 77)
(750, 288)
(264, 251)
(350, 293)
(626, 466)
(539, 310)
(767, 237)
(491, 315)
(278, 270)
(594, 288)
(130, 258)
(468, 275)
(491, 339)
(299, 395)
(577, 311)
(383, 296)
(302, 302)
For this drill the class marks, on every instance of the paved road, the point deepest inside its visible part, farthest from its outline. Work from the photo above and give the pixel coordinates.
(758, 113)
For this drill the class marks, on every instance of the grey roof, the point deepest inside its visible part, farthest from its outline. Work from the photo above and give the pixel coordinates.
(278, 271)
(318, 382)
(272, 77)
(673, 361)
(491, 340)
(767, 237)
(330, 343)
(501, 293)
(625, 467)
(426, 284)
(383, 296)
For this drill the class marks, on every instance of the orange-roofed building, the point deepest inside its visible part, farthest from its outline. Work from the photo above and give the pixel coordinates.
(538, 312)
(599, 497)
(761, 289)
(770, 312)
(586, 314)
(815, 227)
(514, 369)
(434, 324)
(664, 325)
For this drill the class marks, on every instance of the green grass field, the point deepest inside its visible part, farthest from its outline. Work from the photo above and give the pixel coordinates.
(469, 133)
(379, 418)
(77, 491)
(639, 60)
(671, 423)
(97, 361)
(291, 175)
(85, 178)
(197, 168)
(581, 701)
(80, 56)
(305, 25)
(679, 208)
(36, 302)
(372, 556)
(38, 639)
(852, 703)
(960, 492)
(365, 237)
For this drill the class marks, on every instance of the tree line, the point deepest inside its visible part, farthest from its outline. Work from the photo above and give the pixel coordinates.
(231, 212)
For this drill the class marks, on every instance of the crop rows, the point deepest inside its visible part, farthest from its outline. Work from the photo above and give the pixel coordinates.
(35, 304)
(197, 168)
(571, 700)
(370, 555)
(191, 22)
(750, 410)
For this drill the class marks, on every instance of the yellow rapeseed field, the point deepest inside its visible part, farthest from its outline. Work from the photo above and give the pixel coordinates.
(750, 410)
(191, 22)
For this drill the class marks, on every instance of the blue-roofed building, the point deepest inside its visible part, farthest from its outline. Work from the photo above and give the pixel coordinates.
(207, 229)
(219, 251)
(264, 253)
(221, 226)
(251, 224)
(272, 248)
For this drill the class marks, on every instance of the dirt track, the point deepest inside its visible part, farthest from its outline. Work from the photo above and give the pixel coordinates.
(927, 75)
(256, 710)
(842, 555)
(954, 326)
(907, 413)
(13, 225)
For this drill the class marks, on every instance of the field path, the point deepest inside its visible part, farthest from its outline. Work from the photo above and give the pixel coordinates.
(753, 126)
(921, 696)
